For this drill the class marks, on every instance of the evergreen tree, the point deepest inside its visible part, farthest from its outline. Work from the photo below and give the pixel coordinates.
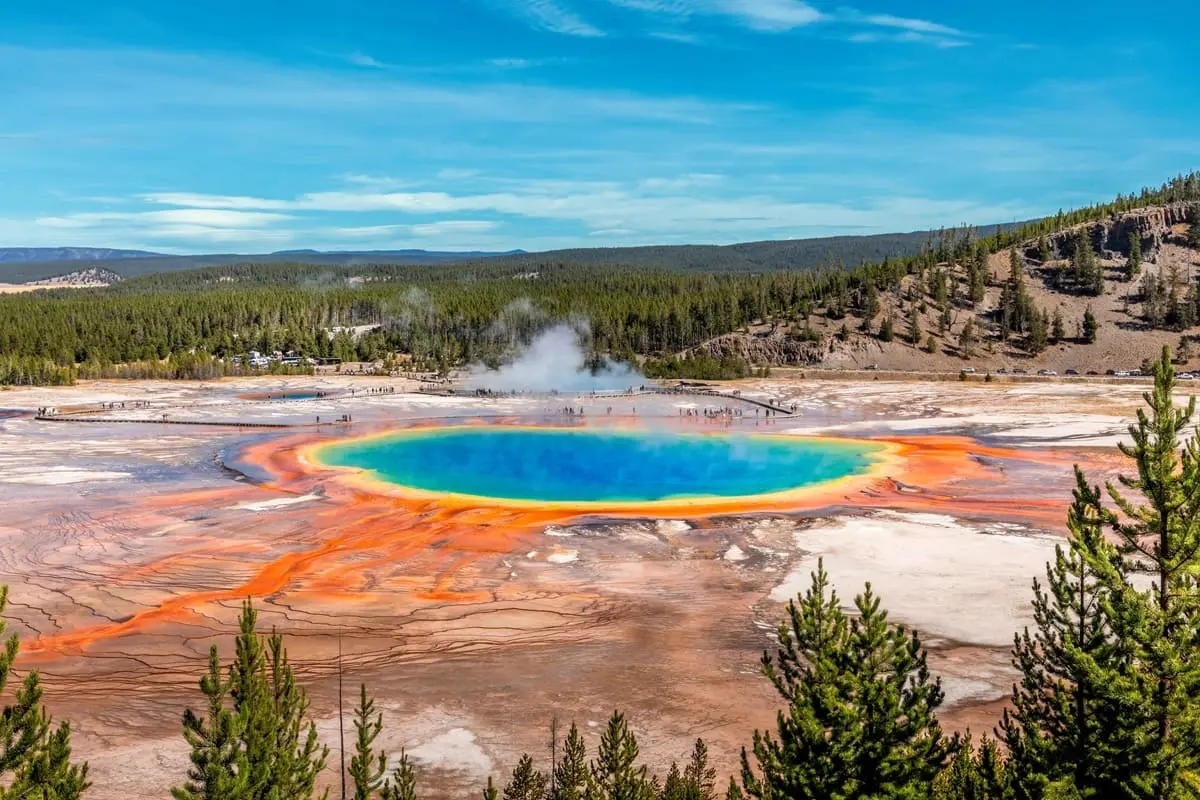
(859, 720)
(491, 792)
(1067, 727)
(219, 770)
(699, 779)
(35, 761)
(977, 275)
(571, 772)
(527, 782)
(914, 326)
(615, 774)
(367, 767)
(885, 329)
(673, 788)
(1043, 249)
(973, 774)
(1057, 333)
(1087, 270)
(931, 345)
(259, 748)
(402, 784)
(1159, 535)
(1193, 235)
(1090, 326)
(1133, 265)
(966, 339)
(1038, 335)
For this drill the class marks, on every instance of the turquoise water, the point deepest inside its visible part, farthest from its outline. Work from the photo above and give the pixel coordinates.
(599, 465)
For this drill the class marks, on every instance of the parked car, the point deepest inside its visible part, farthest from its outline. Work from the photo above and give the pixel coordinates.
(1046, 372)
(1185, 376)
(1092, 372)
(968, 370)
(1071, 372)
(1020, 372)
(1002, 371)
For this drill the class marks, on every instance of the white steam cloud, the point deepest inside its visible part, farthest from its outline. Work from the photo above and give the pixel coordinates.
(555, 361)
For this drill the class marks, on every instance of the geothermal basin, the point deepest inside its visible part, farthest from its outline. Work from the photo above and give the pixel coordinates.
(486, 563)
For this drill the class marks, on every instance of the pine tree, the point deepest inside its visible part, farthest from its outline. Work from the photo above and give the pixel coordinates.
(1159, 535)
(491, 792)
(571, 773)
(35, 761)
(299, 755)
(367, 767)
(615, 774)
(973, 774)
(259, 748)
(674, 787)
(977, 275)
(219, 770)
(1193, 235)
(1057, 333)
(859, 719)
(1038, 335)
(885, 329)
(402, 784)
(914, 326)
(527, 783)
(1133, 265)
(50, 774)
(1066, 728)
(699, 779)
(1043, 250)
(1090, 326)
(966, 339)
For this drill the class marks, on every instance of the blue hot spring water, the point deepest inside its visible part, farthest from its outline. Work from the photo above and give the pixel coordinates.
(595, 465)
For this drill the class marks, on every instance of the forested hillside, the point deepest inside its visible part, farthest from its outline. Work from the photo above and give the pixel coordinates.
(25, 265)
(949, 299)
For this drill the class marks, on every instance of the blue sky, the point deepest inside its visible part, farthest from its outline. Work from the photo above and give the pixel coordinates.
(222, 126)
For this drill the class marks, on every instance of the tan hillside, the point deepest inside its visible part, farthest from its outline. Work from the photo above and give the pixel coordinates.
(1131, 325)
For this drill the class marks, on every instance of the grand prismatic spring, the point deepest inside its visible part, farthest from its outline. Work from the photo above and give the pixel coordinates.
(486, 563)
(576, 466)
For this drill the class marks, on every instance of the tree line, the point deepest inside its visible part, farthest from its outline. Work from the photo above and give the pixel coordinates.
(447, 315)
(1106, 703)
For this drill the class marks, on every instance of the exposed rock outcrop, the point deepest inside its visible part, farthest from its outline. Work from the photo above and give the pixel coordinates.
(1111, 237)
(779, 347)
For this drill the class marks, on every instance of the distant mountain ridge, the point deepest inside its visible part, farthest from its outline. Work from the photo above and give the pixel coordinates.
(22, 255)
(744, 257)
(141, 263)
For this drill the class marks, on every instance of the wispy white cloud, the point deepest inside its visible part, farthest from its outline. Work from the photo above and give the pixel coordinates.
(652, 210)
(780, 16)
(907, 37)
(205, 216)
(760, 15)
(552, 16)
(360, 59)
(909, 24)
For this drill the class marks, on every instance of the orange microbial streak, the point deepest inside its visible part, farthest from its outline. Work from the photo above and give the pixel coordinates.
(339, 544)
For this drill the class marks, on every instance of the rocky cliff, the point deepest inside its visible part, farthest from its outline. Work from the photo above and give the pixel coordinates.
(1111, 237)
